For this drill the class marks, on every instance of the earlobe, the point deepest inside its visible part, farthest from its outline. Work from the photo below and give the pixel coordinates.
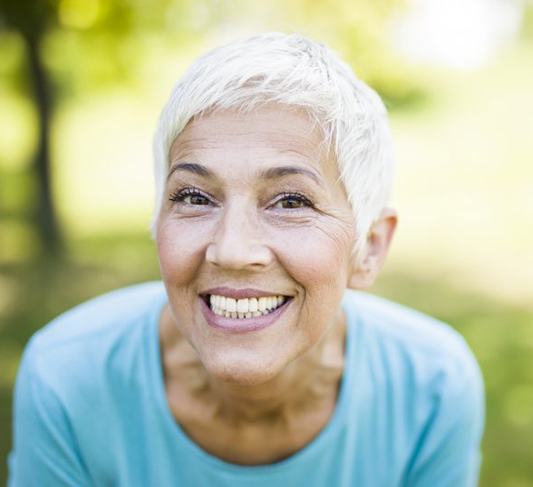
(366, 269)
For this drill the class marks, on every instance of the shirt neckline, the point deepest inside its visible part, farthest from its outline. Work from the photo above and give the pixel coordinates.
(188, 446)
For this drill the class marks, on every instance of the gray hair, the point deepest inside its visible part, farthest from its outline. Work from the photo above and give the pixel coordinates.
(298, 72)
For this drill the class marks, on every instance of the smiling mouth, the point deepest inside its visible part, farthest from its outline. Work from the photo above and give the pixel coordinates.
(245, 308)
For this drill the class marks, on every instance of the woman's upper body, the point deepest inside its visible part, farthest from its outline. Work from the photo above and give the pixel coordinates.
(273, 171)
(92, 409)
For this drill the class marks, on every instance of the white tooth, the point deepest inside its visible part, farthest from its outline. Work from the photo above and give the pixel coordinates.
(233, 314)
(227, 314)
(256, 314)
(222, 302)
(240, 316)
(231, 305)
(217, 300)
(248, 315)
(252, 304)
(271, 302)
(242, 305)
(212, 300)
(280, 300)
(262, 304)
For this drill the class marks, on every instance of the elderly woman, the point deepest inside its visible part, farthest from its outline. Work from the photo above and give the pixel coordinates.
(252, 363)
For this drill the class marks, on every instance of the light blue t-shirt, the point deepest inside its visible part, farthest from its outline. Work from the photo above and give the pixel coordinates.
(90, 406)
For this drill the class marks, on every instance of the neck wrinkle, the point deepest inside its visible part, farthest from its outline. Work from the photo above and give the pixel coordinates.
(306, 383)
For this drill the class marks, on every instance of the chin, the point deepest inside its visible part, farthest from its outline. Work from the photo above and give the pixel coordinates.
(245, 371)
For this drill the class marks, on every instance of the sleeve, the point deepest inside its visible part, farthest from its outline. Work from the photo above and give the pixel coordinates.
(44, 450)
(448, 450)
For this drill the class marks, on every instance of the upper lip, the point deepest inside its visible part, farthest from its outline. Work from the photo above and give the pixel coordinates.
(240, 293)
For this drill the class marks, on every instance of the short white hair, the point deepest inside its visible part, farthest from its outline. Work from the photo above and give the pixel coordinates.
(298, 72)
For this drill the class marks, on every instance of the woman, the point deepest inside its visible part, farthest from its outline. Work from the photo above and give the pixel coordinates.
(253, 364)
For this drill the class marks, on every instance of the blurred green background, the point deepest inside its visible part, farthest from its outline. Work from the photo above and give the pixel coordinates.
(81, 85)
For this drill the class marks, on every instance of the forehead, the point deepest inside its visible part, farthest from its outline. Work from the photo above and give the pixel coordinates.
(264, 136)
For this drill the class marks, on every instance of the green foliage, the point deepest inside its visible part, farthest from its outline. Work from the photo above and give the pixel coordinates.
(29, 17)
(527, 26)
(96, 42)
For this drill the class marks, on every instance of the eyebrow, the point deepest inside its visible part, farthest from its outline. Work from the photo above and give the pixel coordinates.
(281, 171)
(270, 173)
(192, 167)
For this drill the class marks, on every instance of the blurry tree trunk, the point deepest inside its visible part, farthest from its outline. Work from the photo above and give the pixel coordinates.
(46, 219)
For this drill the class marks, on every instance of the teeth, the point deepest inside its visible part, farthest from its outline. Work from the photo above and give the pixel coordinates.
(244, 308)
(231, 305)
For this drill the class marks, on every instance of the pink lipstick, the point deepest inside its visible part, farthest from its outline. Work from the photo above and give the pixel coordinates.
(241, 325)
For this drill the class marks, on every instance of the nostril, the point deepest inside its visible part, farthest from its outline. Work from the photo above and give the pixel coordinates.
(238, 252)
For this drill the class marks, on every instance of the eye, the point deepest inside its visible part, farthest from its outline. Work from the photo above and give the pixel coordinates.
(195, 199)
(292, 201)
(190, 196)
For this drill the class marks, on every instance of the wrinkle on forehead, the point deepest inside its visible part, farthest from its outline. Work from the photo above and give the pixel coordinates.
(213, 130)
(273, 135)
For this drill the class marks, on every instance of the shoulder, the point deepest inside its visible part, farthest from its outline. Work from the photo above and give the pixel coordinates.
(420, 377)
(82, 341)
(409, 346)
(101, 315)
(72, 372)
(406, 330)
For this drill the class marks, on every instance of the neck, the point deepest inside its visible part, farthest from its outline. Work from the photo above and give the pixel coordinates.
(305, 384)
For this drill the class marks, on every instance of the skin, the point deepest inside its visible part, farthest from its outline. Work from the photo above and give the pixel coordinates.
(257, 397)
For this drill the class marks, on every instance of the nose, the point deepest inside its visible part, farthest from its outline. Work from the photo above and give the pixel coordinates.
(238, 243)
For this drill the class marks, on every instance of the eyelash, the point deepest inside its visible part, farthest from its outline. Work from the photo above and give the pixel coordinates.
(180, 195)
(295, 196)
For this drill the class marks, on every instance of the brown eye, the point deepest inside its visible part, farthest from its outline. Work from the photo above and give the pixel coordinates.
(190, 197)
(195, 199)
(292, 202)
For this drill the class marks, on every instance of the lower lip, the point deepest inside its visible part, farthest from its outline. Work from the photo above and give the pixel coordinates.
(245, 325)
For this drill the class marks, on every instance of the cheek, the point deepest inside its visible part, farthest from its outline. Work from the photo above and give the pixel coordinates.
(181, 250)
(317, 257)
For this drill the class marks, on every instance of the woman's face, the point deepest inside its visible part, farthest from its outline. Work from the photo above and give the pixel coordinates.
(254, 240)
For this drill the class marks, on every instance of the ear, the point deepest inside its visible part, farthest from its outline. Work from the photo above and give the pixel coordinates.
(378, 241)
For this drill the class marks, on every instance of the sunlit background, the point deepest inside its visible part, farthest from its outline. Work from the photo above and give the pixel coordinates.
(457, 76)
